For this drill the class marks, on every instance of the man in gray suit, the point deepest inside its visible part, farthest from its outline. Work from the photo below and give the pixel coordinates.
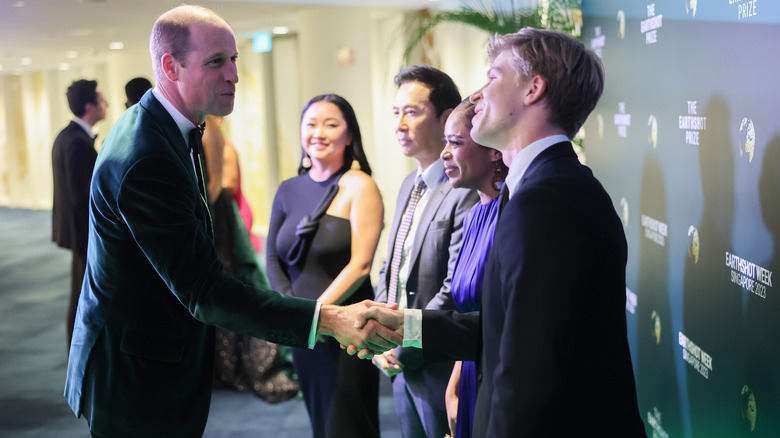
(423, 244)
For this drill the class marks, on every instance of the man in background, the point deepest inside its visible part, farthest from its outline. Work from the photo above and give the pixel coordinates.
(423, 244)
(135, 89)
(72, 160)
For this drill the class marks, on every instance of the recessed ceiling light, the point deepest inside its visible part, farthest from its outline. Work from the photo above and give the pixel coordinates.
(64, 66)
(280, 30)
(116, 45)
(71, 54)
(26, 61)
(18, 4)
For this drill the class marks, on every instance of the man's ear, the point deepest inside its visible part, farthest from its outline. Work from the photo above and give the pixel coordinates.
(443, 117)
(170, 67)
(535, 90)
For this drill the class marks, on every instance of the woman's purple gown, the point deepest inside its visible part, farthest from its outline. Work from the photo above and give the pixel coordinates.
(478, 230)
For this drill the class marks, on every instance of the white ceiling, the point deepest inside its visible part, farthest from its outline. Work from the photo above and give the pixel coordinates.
(45, 30)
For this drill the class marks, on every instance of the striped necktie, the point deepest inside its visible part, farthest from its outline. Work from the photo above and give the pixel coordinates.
(400, 238)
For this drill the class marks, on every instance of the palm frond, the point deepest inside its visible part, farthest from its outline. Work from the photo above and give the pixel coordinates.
(562, 15)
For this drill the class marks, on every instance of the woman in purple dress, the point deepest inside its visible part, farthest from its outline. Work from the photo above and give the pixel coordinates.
(472, 166)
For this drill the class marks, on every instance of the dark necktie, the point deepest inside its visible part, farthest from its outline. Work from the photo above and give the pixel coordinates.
(400, 238)
(196, 145)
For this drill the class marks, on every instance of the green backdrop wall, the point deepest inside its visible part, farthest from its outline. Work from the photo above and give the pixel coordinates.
(686, 139)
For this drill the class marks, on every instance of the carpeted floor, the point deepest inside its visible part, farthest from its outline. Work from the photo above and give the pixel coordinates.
(34, 282)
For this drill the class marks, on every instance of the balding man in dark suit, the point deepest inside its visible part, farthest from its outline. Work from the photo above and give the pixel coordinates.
(142, 357)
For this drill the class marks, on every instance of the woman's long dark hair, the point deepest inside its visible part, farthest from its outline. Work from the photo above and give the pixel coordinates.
(353, 151)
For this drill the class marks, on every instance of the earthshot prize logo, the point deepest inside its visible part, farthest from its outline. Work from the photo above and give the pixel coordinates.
(654, 421)
(597, 43)
(655, 230)
(650, 26)
(745, 8)
(621, 19)
(748, 275)
(747, 138)
(652, 136)
(631, 301)
(690, 7)
(695, 356)
(748, 406)
(622, 120)
(692, 123)
(693, 244)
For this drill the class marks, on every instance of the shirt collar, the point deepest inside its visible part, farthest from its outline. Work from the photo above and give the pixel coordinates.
(183, 123)
(524, 158)
(432, 174)
(87, 127)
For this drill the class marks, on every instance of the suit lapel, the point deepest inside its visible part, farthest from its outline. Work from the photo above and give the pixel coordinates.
(555, 151)
(173, 135)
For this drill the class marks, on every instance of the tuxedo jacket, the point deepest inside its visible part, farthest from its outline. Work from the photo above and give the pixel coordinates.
(72, 160)
(431, 262)
(554, 357)
(142, 356)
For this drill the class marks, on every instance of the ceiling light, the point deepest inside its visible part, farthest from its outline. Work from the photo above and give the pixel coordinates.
(280, 30)
(71, 54)
(116, 45)
(18, 4)
(26, 61)
(64, 66)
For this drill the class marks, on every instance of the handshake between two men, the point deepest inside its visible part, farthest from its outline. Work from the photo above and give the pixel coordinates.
(366, 328)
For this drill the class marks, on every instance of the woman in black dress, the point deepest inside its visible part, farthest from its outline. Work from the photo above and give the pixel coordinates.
(324, 229)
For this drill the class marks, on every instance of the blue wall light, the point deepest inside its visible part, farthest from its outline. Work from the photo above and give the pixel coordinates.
(261, 42)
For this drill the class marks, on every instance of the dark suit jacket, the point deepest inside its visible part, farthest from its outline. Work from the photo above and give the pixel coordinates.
(142, 356)
(432, 259)
(555, 358)
(72, 160)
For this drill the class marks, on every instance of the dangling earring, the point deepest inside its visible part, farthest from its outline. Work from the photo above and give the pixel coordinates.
(355, 165)
(498, 175)
(306, 161)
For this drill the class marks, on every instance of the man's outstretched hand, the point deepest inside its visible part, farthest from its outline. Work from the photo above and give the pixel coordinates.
(351, 326)
(377, 317)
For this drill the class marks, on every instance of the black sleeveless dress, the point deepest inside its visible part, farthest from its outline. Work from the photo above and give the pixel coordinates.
(341, 391)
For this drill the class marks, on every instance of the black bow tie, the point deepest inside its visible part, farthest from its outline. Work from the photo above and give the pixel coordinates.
(196, 145)
(196, 139)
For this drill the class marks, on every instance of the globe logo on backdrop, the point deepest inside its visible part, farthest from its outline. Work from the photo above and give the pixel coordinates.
(693, 244)
(653, 135)
(747, 138)
(621, 19)
(748, 406)
(656, 327)
(624, 211)
(690, 7)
